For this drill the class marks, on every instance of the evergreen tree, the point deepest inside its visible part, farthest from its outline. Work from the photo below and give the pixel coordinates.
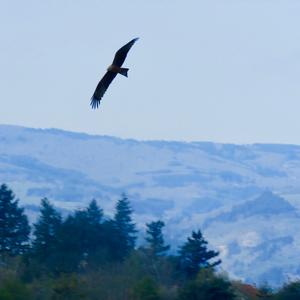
(45, 254)
(46, 231)
(207, 286)
(96, 238)
(155, 238)
(290, 291)
(125, 225)
(72, 243)
(94, 213)
(87, 225)
(154, 252)
(14, 226)
(195, 256)
(81, 239)
(113, 247)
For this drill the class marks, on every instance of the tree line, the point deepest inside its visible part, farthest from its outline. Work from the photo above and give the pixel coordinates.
(87, 255)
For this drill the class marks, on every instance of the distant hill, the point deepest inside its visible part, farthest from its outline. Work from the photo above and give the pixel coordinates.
(246, 198)
(267, 205)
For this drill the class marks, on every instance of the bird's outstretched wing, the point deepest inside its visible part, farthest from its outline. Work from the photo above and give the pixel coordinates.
(101, 88)
(121, 54)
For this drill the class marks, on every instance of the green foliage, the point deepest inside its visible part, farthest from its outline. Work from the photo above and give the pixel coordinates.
(66, 246)
(94, 242)
(94, 213)
(68, 287)
(124, 224)
(155, 252)
(207, 286)
(85, 256)
(71, 245)
(290, 291)
(14, 226)
(146, 289)
(155, 238)
(45, 244)
(14, 289)
(194, 255)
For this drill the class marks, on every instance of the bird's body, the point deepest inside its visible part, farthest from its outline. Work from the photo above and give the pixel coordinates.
(112, 71)
(115, 69)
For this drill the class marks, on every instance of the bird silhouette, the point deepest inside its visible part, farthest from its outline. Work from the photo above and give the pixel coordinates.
(112, 71)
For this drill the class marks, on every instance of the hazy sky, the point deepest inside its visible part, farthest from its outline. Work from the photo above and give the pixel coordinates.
(224, 71)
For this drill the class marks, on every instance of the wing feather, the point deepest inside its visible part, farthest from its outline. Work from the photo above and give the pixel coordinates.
(121, 54)
(101, 88)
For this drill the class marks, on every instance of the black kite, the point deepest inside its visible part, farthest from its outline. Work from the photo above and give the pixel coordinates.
(111, 73)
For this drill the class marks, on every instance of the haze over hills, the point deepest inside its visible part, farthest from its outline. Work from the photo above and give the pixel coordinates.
(245, 198)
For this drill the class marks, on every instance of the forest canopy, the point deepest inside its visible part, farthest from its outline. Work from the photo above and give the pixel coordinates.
(86, 255)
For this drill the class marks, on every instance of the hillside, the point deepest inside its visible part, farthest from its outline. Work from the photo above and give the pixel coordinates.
(246, 198)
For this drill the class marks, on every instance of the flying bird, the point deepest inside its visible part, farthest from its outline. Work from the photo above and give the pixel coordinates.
(112, 71)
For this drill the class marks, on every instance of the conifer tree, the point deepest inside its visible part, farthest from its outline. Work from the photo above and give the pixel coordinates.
(87, 225)
(14, 226)
(46, 231)
(72, 243)
(94, 213)
(95, 232)
(194, 255)
(81, 237)
(155, 238)
(124, 224)
(290, 291)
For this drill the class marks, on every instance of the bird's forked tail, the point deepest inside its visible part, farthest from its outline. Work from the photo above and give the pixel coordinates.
(124, 71)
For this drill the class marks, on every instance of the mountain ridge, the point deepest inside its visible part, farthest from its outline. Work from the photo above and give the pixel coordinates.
(184, 183)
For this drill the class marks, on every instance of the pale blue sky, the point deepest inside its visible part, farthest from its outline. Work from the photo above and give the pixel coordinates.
(224, 71)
